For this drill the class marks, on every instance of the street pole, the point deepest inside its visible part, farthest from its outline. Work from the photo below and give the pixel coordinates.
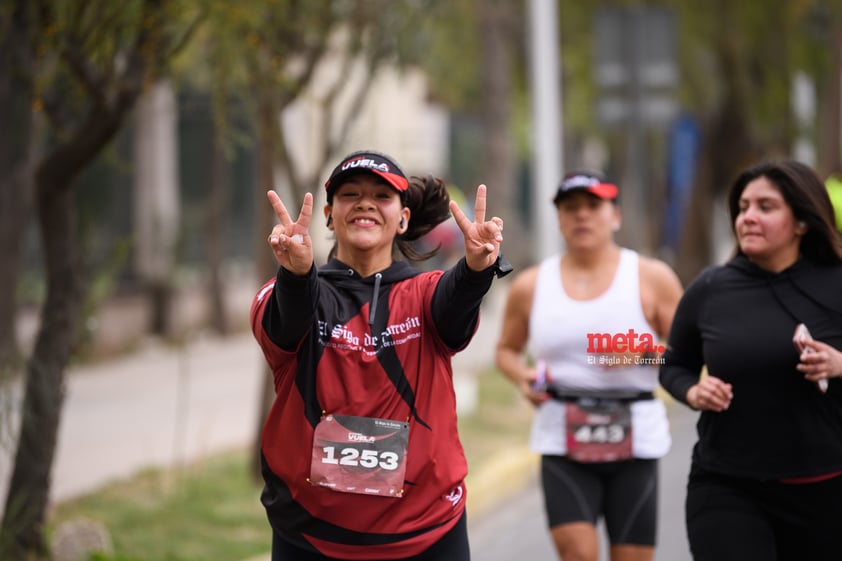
(635, 200)
(547, 148)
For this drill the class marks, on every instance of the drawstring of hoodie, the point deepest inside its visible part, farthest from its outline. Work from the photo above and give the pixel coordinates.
(373, 308)
(375, 295)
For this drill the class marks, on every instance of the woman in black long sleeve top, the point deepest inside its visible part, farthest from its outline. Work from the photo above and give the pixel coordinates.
(766, 475)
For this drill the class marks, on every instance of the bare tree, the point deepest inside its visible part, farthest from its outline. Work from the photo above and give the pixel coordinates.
(16, 89)
(830, 153)
(214, 240)
(745, 110)
(727, 147)
(94, 61)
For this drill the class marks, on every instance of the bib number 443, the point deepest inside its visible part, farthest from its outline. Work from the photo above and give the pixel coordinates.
(599, 432)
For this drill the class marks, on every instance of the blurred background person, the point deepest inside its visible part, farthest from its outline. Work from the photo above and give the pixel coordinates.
(766, 474)
(598, 426)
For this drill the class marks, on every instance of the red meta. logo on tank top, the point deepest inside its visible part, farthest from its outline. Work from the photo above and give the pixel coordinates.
(623, 348)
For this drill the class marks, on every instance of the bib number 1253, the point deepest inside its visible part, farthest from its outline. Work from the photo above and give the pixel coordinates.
(369, 459)
(362, 455)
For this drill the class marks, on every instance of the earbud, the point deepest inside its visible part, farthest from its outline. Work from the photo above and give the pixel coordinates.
(802, 224)
(329, 220)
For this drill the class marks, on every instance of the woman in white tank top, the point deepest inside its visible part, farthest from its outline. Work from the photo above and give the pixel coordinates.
(581, 337)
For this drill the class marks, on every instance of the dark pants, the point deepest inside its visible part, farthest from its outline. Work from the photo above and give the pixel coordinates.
(739, 519)
(452, 547)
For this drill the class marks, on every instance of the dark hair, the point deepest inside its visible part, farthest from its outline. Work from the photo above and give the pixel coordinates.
(807, 196)
(429, 205)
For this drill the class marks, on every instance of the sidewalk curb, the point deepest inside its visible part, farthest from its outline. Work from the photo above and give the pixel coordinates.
(505, 473)
(501, 476)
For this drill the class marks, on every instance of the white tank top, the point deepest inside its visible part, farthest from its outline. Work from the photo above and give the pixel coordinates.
(559, 329)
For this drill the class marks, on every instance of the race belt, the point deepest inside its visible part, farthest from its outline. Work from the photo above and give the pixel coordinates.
(598, 424)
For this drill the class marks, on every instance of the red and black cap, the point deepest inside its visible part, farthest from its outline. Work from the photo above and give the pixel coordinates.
(589, 182)
(367, 161)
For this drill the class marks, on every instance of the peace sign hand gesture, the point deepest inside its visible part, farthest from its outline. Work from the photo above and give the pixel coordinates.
(482, 238)
(290, 241)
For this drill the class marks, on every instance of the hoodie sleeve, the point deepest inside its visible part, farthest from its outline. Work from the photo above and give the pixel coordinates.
(683, 359)
(291, 310)
(456, 302)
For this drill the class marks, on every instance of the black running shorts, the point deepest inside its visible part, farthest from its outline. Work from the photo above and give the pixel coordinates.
(624, 494)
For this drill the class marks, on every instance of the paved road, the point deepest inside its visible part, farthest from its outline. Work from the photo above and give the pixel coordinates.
(515, 529)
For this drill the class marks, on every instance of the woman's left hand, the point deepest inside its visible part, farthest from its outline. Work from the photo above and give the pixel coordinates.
(482, 238)
(820, 361)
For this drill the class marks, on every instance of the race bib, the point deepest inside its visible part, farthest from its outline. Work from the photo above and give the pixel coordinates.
(360, 455)
(599, 430)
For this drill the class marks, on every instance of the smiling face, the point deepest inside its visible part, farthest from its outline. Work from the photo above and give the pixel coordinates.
(767, 231)
(366, 216)
(586, 221)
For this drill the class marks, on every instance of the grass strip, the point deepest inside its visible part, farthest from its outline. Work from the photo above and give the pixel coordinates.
(210, 510)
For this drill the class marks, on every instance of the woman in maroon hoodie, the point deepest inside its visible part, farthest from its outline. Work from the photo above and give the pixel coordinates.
(361, 454)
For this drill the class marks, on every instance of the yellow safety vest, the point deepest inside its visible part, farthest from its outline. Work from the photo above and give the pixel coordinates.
(834, 189)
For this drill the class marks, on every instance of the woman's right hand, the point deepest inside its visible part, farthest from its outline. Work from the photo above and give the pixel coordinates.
(290, 241)
(531, 389)
(710, 394)
(482, 238)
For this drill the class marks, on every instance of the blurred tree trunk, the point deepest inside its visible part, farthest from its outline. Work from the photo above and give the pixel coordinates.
(830, 122)
(726, 148)
(695, 249)
(85, 120)
(266, 266)
(22, 532)
(26, 504)
(215, 212)
(499, 160)
(16, 134)
(156, 201)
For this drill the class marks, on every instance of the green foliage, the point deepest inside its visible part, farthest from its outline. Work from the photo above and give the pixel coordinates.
(578, 44)
(207, 512)
(452, 56)
(82, 46)
(257, 49)
(770, 42)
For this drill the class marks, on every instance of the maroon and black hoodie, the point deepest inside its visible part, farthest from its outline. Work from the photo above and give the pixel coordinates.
(378, 347)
